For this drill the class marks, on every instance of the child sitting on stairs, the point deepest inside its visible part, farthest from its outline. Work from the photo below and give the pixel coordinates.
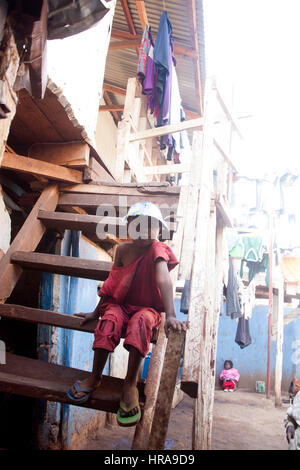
(138, 289)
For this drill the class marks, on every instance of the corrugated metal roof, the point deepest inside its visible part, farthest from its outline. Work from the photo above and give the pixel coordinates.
(122, 64)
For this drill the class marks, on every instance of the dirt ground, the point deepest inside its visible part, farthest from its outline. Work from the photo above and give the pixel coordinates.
(242, 421)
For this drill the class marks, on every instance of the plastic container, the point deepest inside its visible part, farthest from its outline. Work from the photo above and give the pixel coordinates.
(260, 386)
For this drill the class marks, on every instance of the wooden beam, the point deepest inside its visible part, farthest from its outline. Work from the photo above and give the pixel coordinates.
(109, 102)
(111, 107)
(38, 168)
(129, 20)
(126, 44)
(129, 189)
(166, 169)
(114, 89)
(70, 154)
(226, 111)
(27, 239)
(166, 387)
(163, 130)
(225, 156)
(191, 114)
(192, 9)
(120, 203)
(141, 9)
(128, 16)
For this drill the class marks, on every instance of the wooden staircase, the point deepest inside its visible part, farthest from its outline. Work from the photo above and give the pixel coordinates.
(38, 379)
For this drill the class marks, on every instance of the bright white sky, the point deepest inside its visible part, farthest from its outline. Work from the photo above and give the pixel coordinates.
(255, 45)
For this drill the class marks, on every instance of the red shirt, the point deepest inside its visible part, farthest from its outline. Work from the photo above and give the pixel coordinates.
(135, 284)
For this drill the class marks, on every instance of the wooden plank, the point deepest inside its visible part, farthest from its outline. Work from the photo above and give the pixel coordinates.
(111, 107)
(166, 388)
(225, 156)
(70, 154)
(89, 224)
(126, 44)
(39, 379)
(114, 89)
(163, 130)
(203, 405)
(278, 304)
(128, 16)
(141, 9)
(166, 169)
(66, 265)
(35, 167)
(227, 113)
(192, 10)
(224, 212)
(47, 317)
(27, 239)
(186, 259)
(197, 307)
(93, 201)
(129, 189)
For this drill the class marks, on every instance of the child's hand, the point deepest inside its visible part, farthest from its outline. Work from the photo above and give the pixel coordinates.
(172, 323)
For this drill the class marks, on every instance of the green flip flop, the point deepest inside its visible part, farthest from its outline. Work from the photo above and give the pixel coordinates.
(127, 421)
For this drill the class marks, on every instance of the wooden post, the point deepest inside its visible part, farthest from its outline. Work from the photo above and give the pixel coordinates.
(124, 127)
(166, 391)
(190, 371)
(279, 304)
(203, 405)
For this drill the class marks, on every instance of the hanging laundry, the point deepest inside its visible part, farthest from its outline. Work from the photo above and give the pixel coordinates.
(243, 337)
(161, 54)
(146, 43)
(256, 267)
(233, 307)
(149, 88)
(157, 73)
(249, 248)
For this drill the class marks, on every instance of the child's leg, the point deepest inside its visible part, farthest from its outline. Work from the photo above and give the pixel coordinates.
(130, 381)
(107, 336)
(100, 358)
(137, 342)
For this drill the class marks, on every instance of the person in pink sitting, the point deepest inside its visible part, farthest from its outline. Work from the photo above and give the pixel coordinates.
(229, 377)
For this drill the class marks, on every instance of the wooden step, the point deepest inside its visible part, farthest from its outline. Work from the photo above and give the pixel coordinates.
(38, 379)
(167, 203)
(88, 224)
(67, 265)
(47, 317)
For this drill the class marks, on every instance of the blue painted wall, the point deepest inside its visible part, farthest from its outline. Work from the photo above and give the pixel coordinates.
(71, 348)
(81, 296)
(251, 361)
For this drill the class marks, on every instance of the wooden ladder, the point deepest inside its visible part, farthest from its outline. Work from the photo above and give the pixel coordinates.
(38, 379)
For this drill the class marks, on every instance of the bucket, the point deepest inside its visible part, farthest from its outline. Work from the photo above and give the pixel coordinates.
(260, 387)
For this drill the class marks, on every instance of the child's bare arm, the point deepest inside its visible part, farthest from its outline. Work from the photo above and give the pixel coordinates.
(165, 285)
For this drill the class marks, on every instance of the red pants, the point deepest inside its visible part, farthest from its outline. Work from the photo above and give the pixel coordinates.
(228, 385)
(138, 322)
